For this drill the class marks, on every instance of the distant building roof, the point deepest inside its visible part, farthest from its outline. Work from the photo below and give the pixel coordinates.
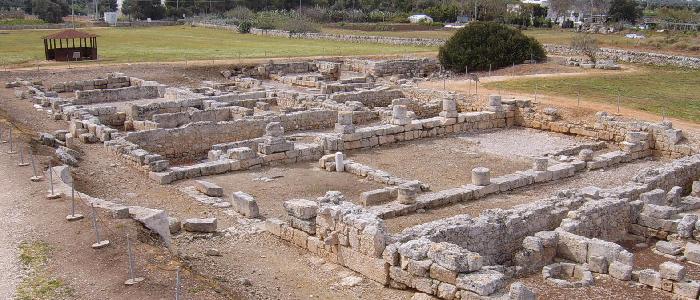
(70, 34)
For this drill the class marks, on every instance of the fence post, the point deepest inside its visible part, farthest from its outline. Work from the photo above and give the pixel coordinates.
(99, 244)
(132, 278)
(52, 194)
(35, 176)
(73, 216)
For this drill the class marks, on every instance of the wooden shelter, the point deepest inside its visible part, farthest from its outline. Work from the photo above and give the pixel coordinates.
(62, 46)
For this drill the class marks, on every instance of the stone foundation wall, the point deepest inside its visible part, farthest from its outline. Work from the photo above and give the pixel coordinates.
(119, 95)
(112, 81)
(338, 231)
(414, 67)
(193, 141)
(146, 112)
(380, 97)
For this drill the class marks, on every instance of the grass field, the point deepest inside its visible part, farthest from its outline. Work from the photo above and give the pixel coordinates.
(681, 43)
(177, 43)
(663, 91)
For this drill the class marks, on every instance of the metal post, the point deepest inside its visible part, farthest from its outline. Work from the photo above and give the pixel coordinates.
(132, 278)
(12, 150)
(1, 140)
(535, 91)
(21, 157)
(177, 284)
(578, 98)
(36, 177)
(489, 70)
(52, 194)
(618, 102)
(98, 243)
(73, 216)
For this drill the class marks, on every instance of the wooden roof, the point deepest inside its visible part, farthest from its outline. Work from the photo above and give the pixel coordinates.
(70, 34)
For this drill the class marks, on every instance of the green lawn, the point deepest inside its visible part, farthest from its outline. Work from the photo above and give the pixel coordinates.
(670, 91)
(177, 43)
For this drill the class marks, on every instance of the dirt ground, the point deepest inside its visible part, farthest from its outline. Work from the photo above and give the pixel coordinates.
(446, 162)
(271, 186)
(440, 162)
(606, 178)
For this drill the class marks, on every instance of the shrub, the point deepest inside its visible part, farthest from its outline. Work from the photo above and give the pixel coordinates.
(244, 26)
(586, 44)
(240, 13)
(282, 20)
(481, 45)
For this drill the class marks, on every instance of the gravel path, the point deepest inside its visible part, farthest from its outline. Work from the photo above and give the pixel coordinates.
(12, 216)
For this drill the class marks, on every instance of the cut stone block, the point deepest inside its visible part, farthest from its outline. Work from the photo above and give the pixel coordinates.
(620, 271)
(481, 176)
(692, 252)
(301, 208)
(672, 271)
(245, 204)
(650, 277)
(209, 189)
(687, 288)
(200, 225)
(668, 248)
(484, 282)
(519, 291)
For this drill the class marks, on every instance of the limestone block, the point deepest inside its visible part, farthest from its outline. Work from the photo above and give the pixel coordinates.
(695, 191)
(673, 197)
(406, 194)
(598, 264)
(572, 247)
(620, 271)
(378, 196)
(484, 282)
(415, 249)
(453, 257)
(687, 288)
(245, 204)
(301, 208)
(495, 100)
(447, 291)
(208, 188)
(440, 273)
(668, 248)
(657, 197)
(672, 271)
(692, 252)
(658, 211)
(650, 277)
(519, 291)
(419, 268)
(540, 164)
(686, 226)
(200, 225)
(481, 176)
(174, 225)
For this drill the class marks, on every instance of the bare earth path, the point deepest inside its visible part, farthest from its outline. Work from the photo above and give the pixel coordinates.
(13, 213)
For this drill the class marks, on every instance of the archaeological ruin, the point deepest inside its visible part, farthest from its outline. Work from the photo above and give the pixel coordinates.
(466, 222)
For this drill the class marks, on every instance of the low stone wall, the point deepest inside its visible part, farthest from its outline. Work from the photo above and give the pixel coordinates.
(605, 53)
(338, 231)
(413, 67)
(193, 141)
(631, 56)
(147, 111)
(113, 81)
(118, 95)
(380, 97)
(663, 138)
(328, 36)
